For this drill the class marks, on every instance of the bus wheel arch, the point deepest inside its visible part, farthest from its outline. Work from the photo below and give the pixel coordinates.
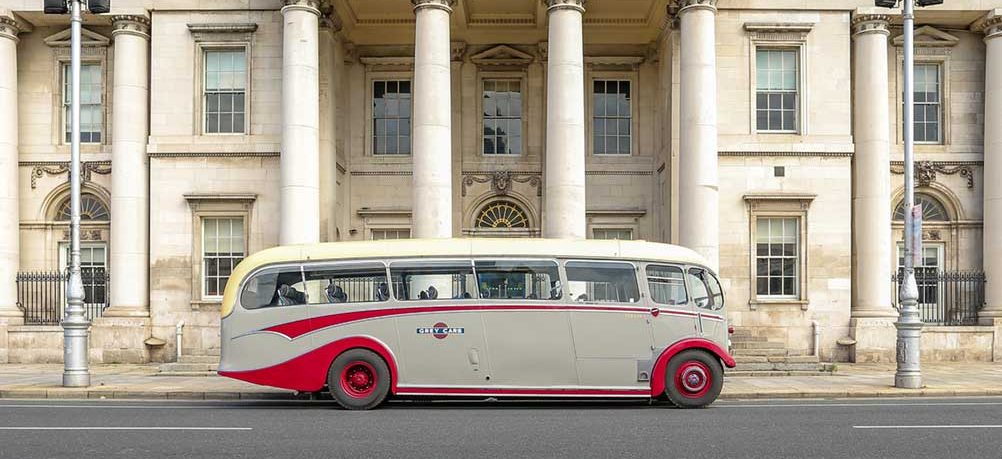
(711, 349)
(369, 344)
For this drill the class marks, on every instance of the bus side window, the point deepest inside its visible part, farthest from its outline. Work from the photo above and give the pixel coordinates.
(518, 279)
(715, 291)
(274, 287)
(602, 282)
(667, 284)
(433, 280)
(700, 294)
(354, 283)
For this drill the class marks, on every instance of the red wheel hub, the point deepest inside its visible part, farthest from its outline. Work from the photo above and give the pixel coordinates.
(693, 379)
(358, 379)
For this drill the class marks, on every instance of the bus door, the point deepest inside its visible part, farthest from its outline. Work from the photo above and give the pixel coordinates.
(529, 337)
(676, 318)
(708, 299)
(611, 323)
(442, 342)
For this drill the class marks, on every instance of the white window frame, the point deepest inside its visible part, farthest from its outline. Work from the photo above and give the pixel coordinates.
(943, 62)
(398, 230)
(64, 69)
(202, 49)
(370, 80)
(609, 75)
(505, 76)
(798, 92)
(792, 36)
(597, 230)
(779, 205)
(203, 237)
(214, 206)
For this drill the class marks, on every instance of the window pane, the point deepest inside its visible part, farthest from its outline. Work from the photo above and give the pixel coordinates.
(667, 284)
(365, 283)
(602, 282)
(521, 280)
(431, 280)
(274, 287)
(391, 117)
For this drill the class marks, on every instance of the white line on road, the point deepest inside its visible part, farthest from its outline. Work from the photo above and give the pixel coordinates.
(855, 405)
(972, 426)
(126, 428)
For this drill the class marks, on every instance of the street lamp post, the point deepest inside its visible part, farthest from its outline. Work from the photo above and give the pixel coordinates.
(909, 324)
(76, 326)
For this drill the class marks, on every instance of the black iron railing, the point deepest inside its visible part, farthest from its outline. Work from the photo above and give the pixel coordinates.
(41, 295)
(947, 297)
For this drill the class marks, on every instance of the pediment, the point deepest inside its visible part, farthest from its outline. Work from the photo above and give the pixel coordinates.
(929, 36)
(88, 38)
(501, 55)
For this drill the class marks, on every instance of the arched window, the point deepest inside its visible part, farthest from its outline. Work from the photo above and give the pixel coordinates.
(501, 215)
(932, 209)
(91, 208)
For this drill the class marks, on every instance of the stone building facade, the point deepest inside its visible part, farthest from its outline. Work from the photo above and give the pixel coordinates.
(765, 134)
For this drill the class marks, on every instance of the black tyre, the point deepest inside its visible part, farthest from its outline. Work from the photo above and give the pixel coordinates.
(693, 379)
(359, 379)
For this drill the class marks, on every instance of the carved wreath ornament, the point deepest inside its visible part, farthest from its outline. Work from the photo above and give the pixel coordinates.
(501, 181)
(925, 172)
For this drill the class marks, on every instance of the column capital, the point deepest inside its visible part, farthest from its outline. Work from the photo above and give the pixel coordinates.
(330, 23)
(136, 25)
(991, 27)
(685, 6)
(11, 26)
(309, 6)
(439, 4)
(870, 23)
(553, 5)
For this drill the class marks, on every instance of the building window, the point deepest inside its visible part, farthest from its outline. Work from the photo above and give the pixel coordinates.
(395, 233)
(932, 209)
(91, 209)
(613, 118)
(623, 234)
(777, 90)
(777, 256)
(928, 103)
(93, 269)
(391, 117)
(502, 214)
(225, 91)
(502, 117)
(91, 112)
(222, 249)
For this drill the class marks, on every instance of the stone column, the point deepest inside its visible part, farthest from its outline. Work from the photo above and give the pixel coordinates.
(9, 219)
(129, 180)
(992, 313)
(432, 120)
(698, 189)
(300, 161)
(330, 65)
(872, 314)
(564, 209)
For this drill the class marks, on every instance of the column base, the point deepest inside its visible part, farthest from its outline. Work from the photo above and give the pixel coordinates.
(126, 311)
(120, 339)
(7, 320)
(876, 339)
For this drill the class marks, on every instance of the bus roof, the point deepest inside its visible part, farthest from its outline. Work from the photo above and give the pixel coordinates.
(416, 248)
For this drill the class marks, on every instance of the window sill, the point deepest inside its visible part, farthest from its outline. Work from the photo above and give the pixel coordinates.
(755, 303)
(208, 304)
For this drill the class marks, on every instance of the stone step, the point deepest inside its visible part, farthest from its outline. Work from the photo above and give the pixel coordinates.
(189, 373)
(213, 359)
(793, 359)
(748, 338)
(752, 359)
(174, 367)
(757, 345)
(733, 373)
(752, 352)
(779, 366)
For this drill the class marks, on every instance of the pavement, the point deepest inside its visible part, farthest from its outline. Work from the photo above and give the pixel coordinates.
(864, 428)
(942, 379)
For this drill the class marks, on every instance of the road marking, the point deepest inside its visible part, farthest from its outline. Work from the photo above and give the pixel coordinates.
(127, 428)
(972, 426)
(856, 405)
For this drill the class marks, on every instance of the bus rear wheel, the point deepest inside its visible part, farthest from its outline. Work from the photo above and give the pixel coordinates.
(359, 379)
(693, 379)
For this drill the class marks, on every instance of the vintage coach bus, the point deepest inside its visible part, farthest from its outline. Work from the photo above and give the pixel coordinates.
(478, 318)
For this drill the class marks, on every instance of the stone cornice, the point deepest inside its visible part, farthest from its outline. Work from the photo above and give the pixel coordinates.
(229, 27)
(309, 6)
(553, 5)
(779, 31)
(870, 23)
(388, 61)
(136, 25)
(10, 27)
(991, 27)
(614, 61)
(445, 5)
(249, 154)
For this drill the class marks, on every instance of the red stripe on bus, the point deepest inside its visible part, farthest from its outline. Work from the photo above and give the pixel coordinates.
(486, 391)
(293, 330)
(308, 372)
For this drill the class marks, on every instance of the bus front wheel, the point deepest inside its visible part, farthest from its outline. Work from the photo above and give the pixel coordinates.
(693, 379)
(359, 379)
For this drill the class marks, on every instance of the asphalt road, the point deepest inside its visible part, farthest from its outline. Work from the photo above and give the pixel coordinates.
(885, 428)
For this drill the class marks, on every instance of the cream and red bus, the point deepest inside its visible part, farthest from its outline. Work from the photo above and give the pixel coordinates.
(478, 318)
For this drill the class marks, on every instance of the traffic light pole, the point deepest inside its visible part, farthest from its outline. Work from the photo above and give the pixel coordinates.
(909, 324)
(76, 327)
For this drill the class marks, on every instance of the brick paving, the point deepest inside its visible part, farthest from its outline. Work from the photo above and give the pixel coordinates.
(851, 380)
